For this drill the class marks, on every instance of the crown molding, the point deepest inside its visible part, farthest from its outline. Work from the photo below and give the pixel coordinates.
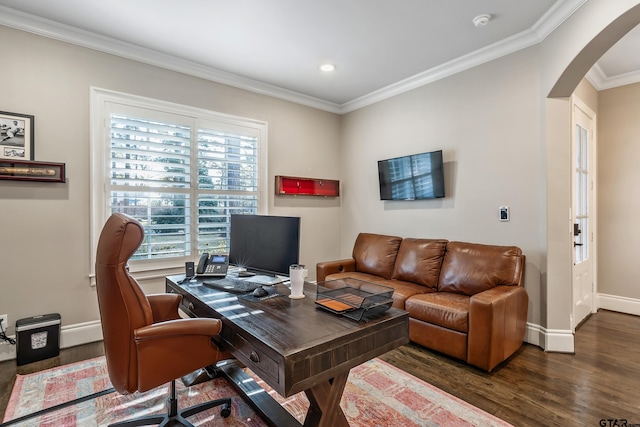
(555, 16)
(54, 30)
(465, 62)
(596, 77)
(621, 80)
(600, 81)
(551, 20)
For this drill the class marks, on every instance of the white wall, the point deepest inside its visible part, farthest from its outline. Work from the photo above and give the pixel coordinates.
(618, 181)
(45, 250)
(504, 141)
(493, 121)
(487, 122)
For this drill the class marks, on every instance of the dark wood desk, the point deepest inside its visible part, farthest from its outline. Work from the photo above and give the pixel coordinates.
(292, 346)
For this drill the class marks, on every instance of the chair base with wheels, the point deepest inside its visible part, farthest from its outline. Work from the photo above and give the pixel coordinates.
(175, 417)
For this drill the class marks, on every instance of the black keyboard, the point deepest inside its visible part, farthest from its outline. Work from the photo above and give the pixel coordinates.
(230, 284)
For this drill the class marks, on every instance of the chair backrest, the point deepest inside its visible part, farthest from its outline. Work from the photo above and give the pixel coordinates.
(123, 306)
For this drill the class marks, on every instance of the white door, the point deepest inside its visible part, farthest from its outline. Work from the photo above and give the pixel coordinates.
(583, 212)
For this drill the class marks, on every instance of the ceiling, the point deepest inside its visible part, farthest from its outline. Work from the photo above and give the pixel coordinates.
(379, 47)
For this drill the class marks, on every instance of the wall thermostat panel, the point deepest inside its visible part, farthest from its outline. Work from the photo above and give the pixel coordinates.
(504, 213)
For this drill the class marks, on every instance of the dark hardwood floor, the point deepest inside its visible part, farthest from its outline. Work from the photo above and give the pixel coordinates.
(534, 388)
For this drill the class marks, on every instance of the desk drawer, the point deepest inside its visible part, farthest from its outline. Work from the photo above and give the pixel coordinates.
(254, 358)
(192, 306)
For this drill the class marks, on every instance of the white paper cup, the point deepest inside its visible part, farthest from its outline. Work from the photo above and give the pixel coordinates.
(297, 273)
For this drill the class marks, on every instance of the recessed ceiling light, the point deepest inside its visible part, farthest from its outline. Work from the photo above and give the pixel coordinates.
(327, 67)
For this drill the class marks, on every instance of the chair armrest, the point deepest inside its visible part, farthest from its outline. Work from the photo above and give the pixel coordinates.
(172, 349)
(164, 306)
(179, 328)
(497, 323)
(323, 269)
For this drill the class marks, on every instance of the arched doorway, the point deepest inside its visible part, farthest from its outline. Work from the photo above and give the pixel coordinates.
(585, 38)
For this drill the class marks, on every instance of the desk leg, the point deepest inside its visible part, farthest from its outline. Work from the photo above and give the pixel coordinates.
(324, 409)
(268, 408)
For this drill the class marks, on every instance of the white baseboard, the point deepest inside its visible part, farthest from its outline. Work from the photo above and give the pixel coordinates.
(83, 333)
(70, 336)
(534, 335)
(619, 304)
(553, 340)
(561, 341)
(7, 351)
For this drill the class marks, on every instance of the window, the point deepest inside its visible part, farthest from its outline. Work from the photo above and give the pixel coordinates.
(180, 171)
(581, 194)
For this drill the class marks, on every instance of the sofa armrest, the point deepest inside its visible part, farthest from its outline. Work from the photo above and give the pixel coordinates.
(323, 269)
(497, 323)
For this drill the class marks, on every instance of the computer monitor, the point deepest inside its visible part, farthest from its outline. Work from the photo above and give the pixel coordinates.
(264, 244)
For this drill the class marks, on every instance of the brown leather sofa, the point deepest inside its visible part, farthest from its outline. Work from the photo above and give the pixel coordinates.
(464, 299)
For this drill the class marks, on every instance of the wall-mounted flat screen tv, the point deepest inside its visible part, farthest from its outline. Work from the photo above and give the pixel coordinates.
(263, 243)
(415, 177)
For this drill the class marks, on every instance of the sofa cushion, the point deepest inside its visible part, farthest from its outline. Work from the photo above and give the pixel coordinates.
(470, 268)
(365, 277)
(401, 290)
(444, 309)
(376, 254)
(419, 261)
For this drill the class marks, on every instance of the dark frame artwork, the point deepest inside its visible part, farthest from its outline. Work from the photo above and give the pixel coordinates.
(16, 136)
(22, 170)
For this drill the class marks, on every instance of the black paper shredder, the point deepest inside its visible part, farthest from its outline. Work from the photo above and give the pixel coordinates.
(37, 338)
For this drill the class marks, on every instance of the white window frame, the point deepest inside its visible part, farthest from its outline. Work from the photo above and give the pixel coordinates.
(101, 103)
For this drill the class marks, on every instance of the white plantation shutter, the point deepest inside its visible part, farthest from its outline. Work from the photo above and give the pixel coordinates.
(227, 183)
(150, 179)
(181, 172)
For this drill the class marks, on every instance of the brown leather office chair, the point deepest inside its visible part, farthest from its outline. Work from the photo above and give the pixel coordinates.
(146, 342)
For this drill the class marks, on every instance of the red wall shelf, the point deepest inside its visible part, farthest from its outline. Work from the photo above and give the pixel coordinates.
(289, 185)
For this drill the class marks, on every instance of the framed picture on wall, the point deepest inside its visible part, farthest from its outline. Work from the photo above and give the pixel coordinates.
(25, 170)
(16, 136)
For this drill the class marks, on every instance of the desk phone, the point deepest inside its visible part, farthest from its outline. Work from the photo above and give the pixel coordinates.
(215, 265)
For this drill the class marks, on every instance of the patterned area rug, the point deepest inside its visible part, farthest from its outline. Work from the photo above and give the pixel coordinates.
(376, 394)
